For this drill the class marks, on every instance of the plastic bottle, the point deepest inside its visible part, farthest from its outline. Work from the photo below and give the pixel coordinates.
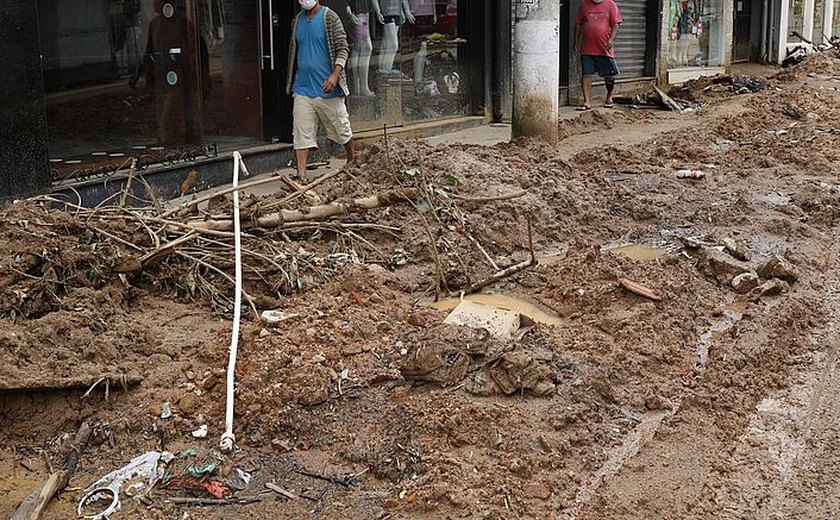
(690, 174)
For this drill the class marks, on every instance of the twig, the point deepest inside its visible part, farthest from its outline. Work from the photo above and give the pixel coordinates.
(164, 250)
(34, 504)
(504, 273)
(225, 191)
(280, 491)
(308, 187)
(478, 245)
(86, 394)
(224, 275)
(128, 181)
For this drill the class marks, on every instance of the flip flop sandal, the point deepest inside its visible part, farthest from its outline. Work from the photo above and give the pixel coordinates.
(583, 108)
(609, 105)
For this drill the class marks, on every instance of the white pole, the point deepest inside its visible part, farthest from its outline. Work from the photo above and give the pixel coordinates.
(228, 438)
(536, 69)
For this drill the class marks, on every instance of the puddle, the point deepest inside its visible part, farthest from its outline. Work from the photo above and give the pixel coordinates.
(527, 309)
(638, 252)
(551, 258)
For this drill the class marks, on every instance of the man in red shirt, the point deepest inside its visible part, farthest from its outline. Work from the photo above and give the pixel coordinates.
(596, 27)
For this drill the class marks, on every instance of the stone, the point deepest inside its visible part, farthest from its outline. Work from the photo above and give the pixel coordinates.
(264, 333)
(771, 287)
(737, 248)
(188, 403)
(745, 282)
(776, 267)
(276, 317)
(498, 322)
(721, 266)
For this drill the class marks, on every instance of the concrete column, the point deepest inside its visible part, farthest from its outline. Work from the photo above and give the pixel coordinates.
(536, 69)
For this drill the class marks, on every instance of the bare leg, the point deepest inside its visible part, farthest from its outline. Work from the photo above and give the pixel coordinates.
(350, 150)
(302, 156)
(586, 83)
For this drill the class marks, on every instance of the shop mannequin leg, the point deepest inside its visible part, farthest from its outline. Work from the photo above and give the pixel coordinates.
(360, 66)
(390, 46)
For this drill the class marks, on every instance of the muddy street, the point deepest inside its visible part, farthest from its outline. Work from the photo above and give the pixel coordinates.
(457, 331)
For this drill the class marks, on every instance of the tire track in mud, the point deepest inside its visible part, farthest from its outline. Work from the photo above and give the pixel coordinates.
(787, 463)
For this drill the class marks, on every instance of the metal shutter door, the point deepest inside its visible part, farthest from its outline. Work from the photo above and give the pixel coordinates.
(631, 43)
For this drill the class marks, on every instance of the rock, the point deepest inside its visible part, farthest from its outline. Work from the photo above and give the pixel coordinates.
(352, 349)
(737, 248)
(276, 317)
(776, 267)
(721, 266)
(769, 288)
(188, 403)
(210, 382)
(200, 432)
(318, 359)
(536, 491)
(745, 282)
(165, 411)
(264, 333)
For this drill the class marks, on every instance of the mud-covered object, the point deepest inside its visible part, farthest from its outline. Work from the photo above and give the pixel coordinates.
(448, 355)
(521, 370)
(441, 355)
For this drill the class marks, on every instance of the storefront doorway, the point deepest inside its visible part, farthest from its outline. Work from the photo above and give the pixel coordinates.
(741, 45)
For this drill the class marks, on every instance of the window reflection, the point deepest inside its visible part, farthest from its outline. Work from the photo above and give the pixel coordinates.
(148, 78)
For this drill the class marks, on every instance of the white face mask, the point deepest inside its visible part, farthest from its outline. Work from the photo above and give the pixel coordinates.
(307, 5)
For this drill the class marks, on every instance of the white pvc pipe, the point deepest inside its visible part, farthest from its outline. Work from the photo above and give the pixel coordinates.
(228, 438)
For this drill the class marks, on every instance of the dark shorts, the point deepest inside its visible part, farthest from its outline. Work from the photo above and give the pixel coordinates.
(392, 19)
(603, 66)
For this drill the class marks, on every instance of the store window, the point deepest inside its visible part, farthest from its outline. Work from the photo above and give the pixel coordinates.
(406, 61)
(796, 20)
(155, 80)
(819, 20)
(696, 38)
(835, 20)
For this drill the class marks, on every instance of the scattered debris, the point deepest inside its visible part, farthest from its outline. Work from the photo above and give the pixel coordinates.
(280, 491)
(37, 501)
(165, 410)
(720, 266)
(276, 317)
(102, 498)
(200, 432)
(690, 174)
(640, 289)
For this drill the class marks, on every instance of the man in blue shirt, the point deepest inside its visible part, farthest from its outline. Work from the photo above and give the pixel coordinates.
(318, 54)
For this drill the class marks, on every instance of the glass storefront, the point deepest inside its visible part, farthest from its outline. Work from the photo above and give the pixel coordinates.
(835, 20)
(406, 62)
(696, 33)
(167, 81)
(796, 20)
(148, 79)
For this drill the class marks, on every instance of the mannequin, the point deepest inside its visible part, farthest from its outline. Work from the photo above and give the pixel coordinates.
(361, 46)
(685, 31)
(391, 14)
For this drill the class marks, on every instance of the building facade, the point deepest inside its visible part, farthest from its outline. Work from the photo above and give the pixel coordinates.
(91, 85)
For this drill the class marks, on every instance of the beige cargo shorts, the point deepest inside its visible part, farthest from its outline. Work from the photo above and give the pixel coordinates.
(331, 112)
